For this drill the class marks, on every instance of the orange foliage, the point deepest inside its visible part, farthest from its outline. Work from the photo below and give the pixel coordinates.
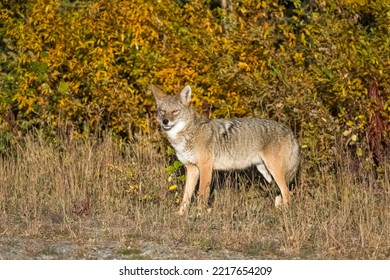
(89, 63)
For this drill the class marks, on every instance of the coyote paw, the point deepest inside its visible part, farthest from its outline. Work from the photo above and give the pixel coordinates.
(180, 213)
(183, 210)
(278, 201)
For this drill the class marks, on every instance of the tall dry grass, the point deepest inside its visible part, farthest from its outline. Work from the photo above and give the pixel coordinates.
(100, 186)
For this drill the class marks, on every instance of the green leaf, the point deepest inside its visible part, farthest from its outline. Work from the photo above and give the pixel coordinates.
(182, 178)
(177, 164)
(42, 78)
(39, 67)
(170, 151)
(170, 169)
(63, 88)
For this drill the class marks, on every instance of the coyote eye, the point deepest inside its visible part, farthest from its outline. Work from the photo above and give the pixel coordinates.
(175, 112)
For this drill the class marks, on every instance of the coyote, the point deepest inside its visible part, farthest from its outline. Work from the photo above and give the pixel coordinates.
(203, 144)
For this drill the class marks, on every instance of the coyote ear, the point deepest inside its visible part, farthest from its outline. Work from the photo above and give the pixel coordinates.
(185, 95)
(157, 92)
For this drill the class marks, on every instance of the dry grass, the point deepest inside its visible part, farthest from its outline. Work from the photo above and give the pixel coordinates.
(97, 188)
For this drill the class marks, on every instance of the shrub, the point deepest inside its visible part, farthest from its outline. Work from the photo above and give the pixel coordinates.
(322, 67)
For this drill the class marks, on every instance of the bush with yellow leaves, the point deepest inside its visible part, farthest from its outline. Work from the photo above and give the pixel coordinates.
(322, 67)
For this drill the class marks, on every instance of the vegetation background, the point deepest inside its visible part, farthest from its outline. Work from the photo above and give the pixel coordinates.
(79, 142)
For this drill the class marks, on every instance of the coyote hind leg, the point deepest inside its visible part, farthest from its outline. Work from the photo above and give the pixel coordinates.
(280, 180)
(275, 167)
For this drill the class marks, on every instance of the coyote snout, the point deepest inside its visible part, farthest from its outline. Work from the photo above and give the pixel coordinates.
(203, 144)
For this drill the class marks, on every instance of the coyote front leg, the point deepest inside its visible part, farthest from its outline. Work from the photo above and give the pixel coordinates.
(192, 176)
(206, 171)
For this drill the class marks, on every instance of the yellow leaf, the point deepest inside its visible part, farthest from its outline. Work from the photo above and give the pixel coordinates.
(244, 66)
(173, 187)
(359, 152)
(347, 132)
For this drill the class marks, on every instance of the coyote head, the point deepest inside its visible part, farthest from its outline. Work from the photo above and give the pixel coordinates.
(173, 111)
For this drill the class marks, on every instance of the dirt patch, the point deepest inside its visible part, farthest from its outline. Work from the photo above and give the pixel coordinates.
(18, 248)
